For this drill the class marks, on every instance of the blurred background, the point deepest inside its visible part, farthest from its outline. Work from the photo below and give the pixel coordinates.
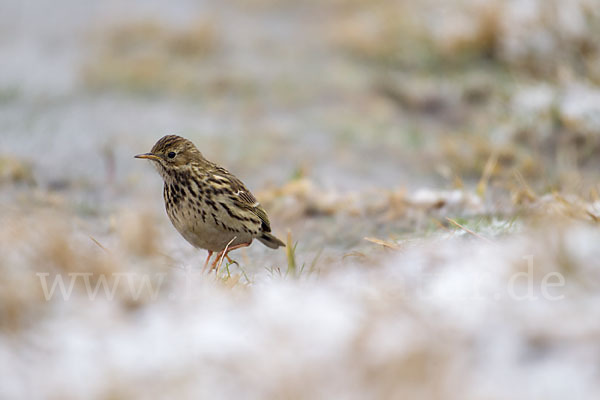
(414, 153)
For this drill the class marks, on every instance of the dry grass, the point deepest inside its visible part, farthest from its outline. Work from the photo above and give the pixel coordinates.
(302, 198)
(14, 170)
(543, 39)
(151, 57)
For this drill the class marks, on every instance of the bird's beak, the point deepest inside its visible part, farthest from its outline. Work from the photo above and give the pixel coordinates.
(149, 156)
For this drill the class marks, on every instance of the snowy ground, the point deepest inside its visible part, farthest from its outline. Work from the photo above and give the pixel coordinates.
(434, 164)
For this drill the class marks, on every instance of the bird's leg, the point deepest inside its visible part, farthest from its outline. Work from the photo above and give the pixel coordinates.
(210, 253)
(224, 254)
(218, 257)
(227, 250)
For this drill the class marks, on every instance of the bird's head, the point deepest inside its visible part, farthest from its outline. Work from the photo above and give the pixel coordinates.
(171, 154)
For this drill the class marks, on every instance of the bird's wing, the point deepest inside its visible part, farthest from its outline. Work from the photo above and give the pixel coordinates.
(243, 198)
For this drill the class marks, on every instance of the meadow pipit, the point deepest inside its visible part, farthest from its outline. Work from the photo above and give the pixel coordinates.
(211, 208)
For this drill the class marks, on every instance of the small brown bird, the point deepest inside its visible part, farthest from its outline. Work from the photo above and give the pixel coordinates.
(211, 208)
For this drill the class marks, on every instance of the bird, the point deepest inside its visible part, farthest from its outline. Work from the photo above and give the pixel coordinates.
(208, 205)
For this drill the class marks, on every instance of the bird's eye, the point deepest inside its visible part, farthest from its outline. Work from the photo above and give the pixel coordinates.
(171, 154)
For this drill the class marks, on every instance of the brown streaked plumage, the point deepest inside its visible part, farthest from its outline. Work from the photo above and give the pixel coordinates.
(211, 208)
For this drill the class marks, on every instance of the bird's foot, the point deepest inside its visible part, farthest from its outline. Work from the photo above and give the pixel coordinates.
(225, 254)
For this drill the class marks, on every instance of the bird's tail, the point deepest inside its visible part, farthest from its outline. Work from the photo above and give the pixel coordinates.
(270, 241)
